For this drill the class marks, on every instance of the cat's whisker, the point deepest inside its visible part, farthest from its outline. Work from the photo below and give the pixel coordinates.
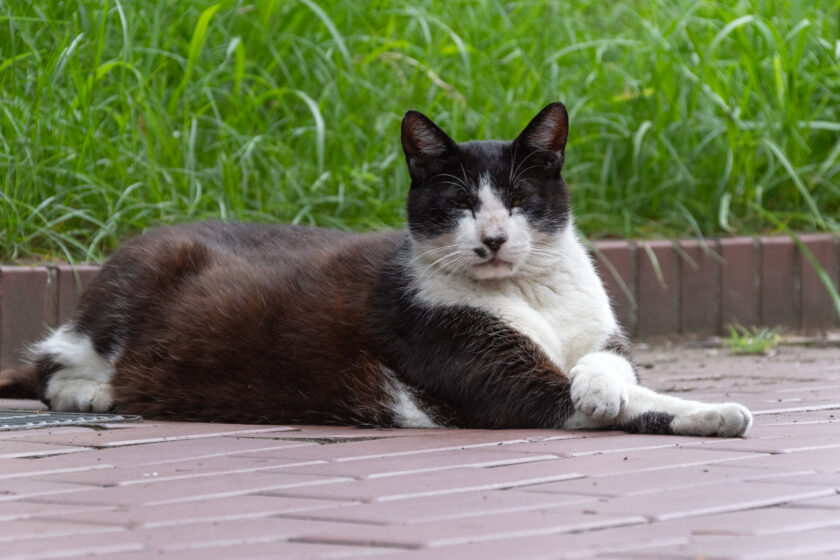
(431, 251)
(454, 254)
(516, 171)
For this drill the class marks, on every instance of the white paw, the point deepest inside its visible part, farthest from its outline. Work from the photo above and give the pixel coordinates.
(724, 420)
(596, 394)
(79, 395)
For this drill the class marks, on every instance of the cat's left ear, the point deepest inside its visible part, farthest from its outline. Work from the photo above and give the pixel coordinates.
(547, 132)
(424, 143)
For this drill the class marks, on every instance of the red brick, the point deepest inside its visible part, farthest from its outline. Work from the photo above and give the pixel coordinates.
(820, 460)
(709, 499)
(782, 545)
(13, 511)
(739, 282)
(492, 527)
(444, 507)
(216, 510)
(584, 544)
(454, 481)
(779, 283)
(71, 281)
(700, 309)
(659, 311)
(621, 256)
(649, 482)
(818, 311)
(25, 303)
(197, 489)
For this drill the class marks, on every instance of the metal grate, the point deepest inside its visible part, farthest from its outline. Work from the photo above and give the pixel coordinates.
(30, 419)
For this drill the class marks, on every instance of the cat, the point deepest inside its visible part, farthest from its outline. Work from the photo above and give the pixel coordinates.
(486, 312)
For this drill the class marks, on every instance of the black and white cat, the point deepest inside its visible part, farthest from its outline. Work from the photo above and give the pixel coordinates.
(487, 313)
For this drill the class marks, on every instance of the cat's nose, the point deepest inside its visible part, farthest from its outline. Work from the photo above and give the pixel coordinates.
(493, 243)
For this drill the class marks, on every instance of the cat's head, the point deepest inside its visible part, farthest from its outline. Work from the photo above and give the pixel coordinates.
(486, 208)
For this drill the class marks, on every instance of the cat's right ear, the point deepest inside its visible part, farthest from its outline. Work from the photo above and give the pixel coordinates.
(425, 145)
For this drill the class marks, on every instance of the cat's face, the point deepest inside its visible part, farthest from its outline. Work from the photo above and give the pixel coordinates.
(486, 209)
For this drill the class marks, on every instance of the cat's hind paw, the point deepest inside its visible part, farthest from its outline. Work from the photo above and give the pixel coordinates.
(722, 420)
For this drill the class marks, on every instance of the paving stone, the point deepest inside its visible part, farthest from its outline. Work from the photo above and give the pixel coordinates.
(631, 541)
(27, 489)
(179, 470)
(191, 490)
(376, 449)
(454, 481)
(748, 548)
(264, 551)
(211, 510)
(819, 460)
(444, 507)
(18, 509)
(465, 530)
(74, 546)
(700, 295)
(583, 544)
(825, 479)
(152, 432)
(661, 480)
(29, 529)
(739, 282)
(709, 499)
(420, 463)
(830, 502)
(789, 444)
(16, 448)
(658, 296)
(222, 493)
(31, 468)
(195, 449)
(646, 460)
(617, 443)
(194, 536)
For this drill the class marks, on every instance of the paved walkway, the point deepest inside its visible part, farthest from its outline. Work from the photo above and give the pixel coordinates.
(207, 491)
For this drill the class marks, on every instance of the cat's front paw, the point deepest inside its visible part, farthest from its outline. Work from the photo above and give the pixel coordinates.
(722, 420)
(598, 395)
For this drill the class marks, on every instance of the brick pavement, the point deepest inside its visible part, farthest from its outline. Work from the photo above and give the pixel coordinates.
(210, 491)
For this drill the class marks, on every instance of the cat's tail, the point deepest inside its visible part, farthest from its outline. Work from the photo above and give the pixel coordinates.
(20, 383)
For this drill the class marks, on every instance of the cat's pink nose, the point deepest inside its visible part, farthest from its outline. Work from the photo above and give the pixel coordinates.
(493, 243)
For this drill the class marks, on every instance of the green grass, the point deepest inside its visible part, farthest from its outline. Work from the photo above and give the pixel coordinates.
(688, 118)
(758, 340)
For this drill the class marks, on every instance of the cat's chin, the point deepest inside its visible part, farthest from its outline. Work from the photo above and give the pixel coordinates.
(494, 269)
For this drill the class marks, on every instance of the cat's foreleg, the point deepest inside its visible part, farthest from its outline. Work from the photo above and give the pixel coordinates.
(599, 385)
(605, 394)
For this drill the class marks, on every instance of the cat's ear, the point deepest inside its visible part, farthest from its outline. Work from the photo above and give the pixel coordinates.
(547, 132)
(424, 143)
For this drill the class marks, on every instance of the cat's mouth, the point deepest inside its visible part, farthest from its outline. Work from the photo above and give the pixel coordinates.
(492, 268)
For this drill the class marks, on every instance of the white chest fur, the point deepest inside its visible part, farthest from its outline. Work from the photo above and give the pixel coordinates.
(556, 299)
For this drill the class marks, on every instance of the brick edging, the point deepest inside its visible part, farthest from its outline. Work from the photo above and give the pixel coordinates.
(657, 288)
(699, 287)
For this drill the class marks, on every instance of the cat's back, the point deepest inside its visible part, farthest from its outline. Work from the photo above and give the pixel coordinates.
(234, 247)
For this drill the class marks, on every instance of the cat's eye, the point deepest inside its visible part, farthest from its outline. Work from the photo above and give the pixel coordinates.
(519, 200)
(461, 203)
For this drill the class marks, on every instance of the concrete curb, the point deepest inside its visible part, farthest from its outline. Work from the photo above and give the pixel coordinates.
(657, 288)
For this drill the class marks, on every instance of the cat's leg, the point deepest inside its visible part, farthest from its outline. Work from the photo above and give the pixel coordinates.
(600, 384)
(652, 412)
(75, 377)
(605, 394)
